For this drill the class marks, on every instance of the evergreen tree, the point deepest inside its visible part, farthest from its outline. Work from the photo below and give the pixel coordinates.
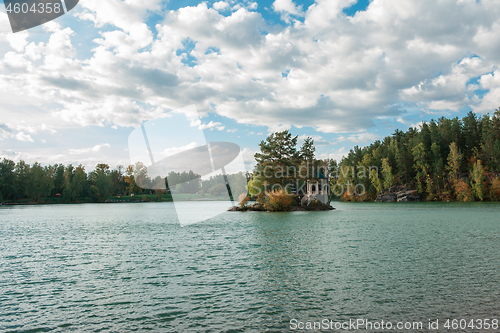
(79, 183)
(42, 181)
(58, 178)
(101, 183)
(278, 158)
(307, 156)
(23, 179)
(68, 194)
(421, 166)
(7, 179)
(471, 135)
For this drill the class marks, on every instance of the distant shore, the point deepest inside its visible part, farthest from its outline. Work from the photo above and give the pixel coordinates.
(138, 198)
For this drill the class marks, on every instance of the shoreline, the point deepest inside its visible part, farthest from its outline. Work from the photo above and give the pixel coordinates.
(257, 207)
(233, 208)
(104, 202)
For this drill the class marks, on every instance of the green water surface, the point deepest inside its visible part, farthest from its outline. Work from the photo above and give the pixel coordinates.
(125, 267)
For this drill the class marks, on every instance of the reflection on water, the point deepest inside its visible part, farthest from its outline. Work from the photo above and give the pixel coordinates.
(127, 267)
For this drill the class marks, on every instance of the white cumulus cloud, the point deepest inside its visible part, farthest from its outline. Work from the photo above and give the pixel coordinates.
(328, 71)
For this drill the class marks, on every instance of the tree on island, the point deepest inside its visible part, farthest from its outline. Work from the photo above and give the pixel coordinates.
(282, 170)
(277, 155)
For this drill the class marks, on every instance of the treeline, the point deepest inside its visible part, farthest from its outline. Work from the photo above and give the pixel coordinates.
(445, 160)
(34, 182)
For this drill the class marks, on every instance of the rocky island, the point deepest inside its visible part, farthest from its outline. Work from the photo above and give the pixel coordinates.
(295, 206)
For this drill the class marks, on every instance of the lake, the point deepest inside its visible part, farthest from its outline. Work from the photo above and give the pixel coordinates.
(132, 267)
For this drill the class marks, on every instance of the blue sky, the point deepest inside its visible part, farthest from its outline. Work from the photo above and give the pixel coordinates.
(345, 72)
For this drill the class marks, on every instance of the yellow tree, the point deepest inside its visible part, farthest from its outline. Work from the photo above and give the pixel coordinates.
(454, 159)
(376, 182)
(421, 166)
(130, 181)
(364, 168)
(478, 180)
(387, 173)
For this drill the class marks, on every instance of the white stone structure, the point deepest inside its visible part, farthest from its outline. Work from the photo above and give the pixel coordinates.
(316, 189)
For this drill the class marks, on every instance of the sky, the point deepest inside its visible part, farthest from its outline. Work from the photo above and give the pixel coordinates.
(343, 72)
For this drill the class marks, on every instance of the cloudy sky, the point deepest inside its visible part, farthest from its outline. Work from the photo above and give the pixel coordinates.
(345, 72)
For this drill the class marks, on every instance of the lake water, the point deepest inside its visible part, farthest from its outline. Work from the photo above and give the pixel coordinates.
(125, 267)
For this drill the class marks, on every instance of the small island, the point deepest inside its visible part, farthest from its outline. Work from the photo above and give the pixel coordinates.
(445, 160)
(286, 178)
(294, 207)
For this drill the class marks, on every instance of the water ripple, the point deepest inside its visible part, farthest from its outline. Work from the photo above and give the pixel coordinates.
(117, 268)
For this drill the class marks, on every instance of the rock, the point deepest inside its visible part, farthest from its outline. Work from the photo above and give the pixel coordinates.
(386, 197)
(398, 194)
(297, 208)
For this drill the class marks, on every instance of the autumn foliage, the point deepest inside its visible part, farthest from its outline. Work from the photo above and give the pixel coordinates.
(278, 200)
(446, 160)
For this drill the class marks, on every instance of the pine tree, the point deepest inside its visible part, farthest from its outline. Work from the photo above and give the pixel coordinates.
(101, 182)
(421, 166)
(23, 179)
(79, 182)
(68, 194)
(277, 157)
(471, 133)
(7, 179)
(306, 155)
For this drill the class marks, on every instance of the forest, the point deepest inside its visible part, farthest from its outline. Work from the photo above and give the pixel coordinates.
(34, 183)
(444, 160)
